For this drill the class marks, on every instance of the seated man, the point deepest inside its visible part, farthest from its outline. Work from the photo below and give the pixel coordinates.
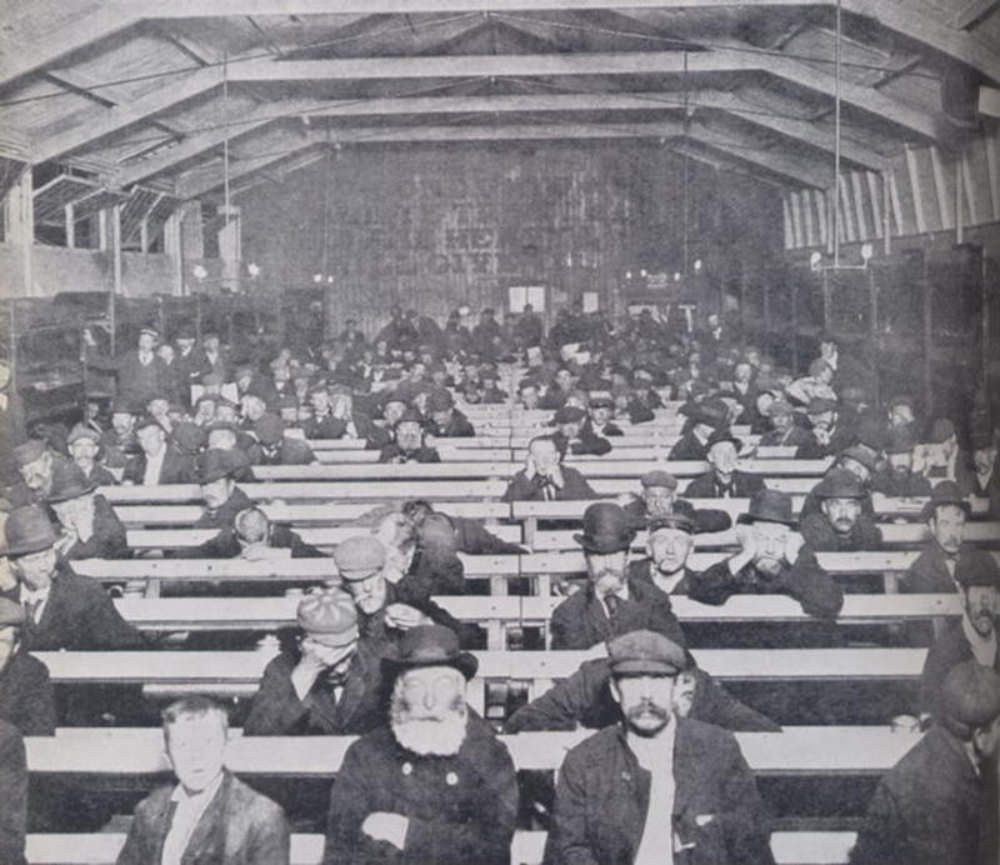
(573, 435)
(981, 477)
(599, 422)
(328, 684)
(446, 421)
(210, 815)
(120, 443)
(255, 538)
(840, 526)
(668, 546)
(323, 424)
(158, 462)
(84, 443)
(898, 480)
(13, 794)
(434, 785)
(409, 444)
(544, 479)
(932, 807)
(216, 470)
(62, 610)
(274, 448)
(35, 463)
(471, 536)
(26, 696)
(815, 385)
(690, 777)
(659, 498)
(861, 462)
(827, 436)
(703, 418)
(610, 603)
(773, 559)
(941, 454)
(91, 528)
(528, 395)
(723, 480)
(784, 431)
(973, 637)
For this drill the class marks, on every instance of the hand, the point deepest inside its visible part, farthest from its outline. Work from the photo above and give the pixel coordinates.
(306, 672)
(403, 617)
(530, 469)
(747, 540)
(556, 476)
(793, 545)
(385, 826)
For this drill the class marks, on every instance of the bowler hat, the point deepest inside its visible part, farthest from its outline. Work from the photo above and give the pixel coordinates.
(121, 405)
(982, 438)
(269, 429)
(29, 530)
(440, 399)
(676, 520)
(216, 464)
(606, 529)
(429, 646)
(645, 653)
(569, 414)
(29, 451)
(840, 484)
(68, 482)
(358, 557)
(147, 420)
(769, 506)
(723, 434)
(658, 478)
(411, 415)
(11, 613)
(970, 696)
(946, 493)
(711, 412)
(329, 617)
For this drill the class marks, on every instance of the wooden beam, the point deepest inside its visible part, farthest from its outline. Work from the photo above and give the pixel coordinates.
(945, 210)
(846, 213)
(819, 197)
(859, 206)
(913, 170)
(897, 203)
(975, 13)
(971, 198)
(874, 195)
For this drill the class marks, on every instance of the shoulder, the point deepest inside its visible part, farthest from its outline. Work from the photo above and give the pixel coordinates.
(594, 748)
(249, 801)
(573, 606)
(11, 741)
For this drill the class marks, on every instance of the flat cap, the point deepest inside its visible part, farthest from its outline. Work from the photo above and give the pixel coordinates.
(359, 557)
(970, 695)
(658, 478)
(411, 415)
(840, 484)
(570, 414)
(147, 420)
(28, 452)
(676, 520)
(329, 617)
(269, 429)
(440, 399)
(645, 652)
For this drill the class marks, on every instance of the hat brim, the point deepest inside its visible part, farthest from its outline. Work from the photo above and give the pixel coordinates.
(465, 662)
(747, 519)
(933, 505)
(26, 549)
(604, 545)
(644, 667)
(736, 443)
(69, 495)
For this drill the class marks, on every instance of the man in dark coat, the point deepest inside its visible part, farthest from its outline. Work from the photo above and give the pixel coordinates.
(973, 637)
(26, 696)
(62, 610)
(158, 462)
(35, 463)
(215, 470)
(274, 448)
(91, 528)
(574, 436)
(471, 536)
(329, 684)
(446, 421)
(982, 476)
(210, 815)
(934, 806)
(255, 538)
(783, 431)
(703, 419)
(610, 603)
(13, 794)
(723, 480)
(841, 526)
(544, 479)
(529, 329)
(659, 498)
(599, 421)
(84, 444)
(828, 435)
(434, 784)
(140, 373)
(691, 776)
(409, 445)
(897, 479)
(668, 545)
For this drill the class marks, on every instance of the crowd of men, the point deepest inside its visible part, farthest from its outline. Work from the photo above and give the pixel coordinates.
(662, 780)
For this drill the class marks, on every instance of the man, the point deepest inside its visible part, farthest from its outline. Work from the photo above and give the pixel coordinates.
(659, 498)
(528, 396)
(544, 478)
(827, 435)
(253, 537)
(352, 337)
(323, 424)
(251, 382)
(470, 536)
(328, 684)
(703, 419)
(215, 470)
(773, 559)
(35, 462)
(610, 603)
(120, 443)
(573, 435)
(446, 421)
(91, 528)
(13, 794)
(723, 480)
(981, 477)
(816, 385)
(274, 448)
(933, 807)
(216, 362)
(528, 329)
(140, 373)
(600, 423)
(946, 556)
(62, 610)
(898, 480)
(210, 815)
(434, 785)
(26, 695)
(668, 545)
(557, 392)
(409, 445)
(654, 785)
(840, 526)
(942, 455)
(158, 462)
(784, 431)
(188, 363)
(973, 637)
(84, 445)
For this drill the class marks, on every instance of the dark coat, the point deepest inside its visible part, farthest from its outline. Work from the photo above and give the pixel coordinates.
(239, 827)
(642, 569)
(927, 810)
(708, 486)
(393, 453)
(101, 476)
(458, 426)
(794, 437)
(224, 515)
(405, 591)
(13, 794)
(929, 573)
(823, 538)
(524, 489)
(461, 809)
(911, 486)
(289, 452)
(602, 799)
(705, 519)
(585, 698)
(137, 382)
(226, 546)
(326, 427)
(841, 439)
(580, 622)
(177, 468)
(474, 539)
(26, 696)
(78, 615)
(588, 443)
(109, 540)
(948, 650)
(688, 447)
(278, 711)
(436, 573)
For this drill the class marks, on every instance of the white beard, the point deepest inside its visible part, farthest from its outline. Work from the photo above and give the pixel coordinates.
(429, 737)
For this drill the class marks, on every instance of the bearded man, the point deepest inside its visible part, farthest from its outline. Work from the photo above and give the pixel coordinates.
(434, 784)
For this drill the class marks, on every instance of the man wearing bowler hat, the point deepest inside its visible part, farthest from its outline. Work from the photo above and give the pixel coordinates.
(433, 785)
(35, 462)
(26, 697)
(91, 528)
(610, 603)
(773, 559)
(216, 471)
(840, 525)
(329, 683)
(827, 435)
(723, 480)
(898, 479)
(655, 787)
(936, 806)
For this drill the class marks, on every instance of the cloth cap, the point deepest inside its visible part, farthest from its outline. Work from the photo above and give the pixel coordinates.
(601, 400)
(645, 652)
(29, 530)
(121, 405)
(982, 439)
(862, 454)
(941, 430)
(440, 399)
(81, 431)
(840, 484)
(779, 408)
(970, 695)
(429, 646)
(11, 613)
(679, 521)
(946, 493)
(269, 429)
(358, 557)
(570, 414)
(152, 331)
(28, 452)
(769, 506)
(606, 529)
(68, 482)
(329, 617)
(215, 464)
(147, 420)
(820, 404)
(658, 478)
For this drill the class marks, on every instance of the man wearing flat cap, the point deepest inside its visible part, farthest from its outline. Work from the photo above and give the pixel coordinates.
(827, 435)
(773, 559)
(655, 787)
(841, 526)
(35, 463)
(723, 480)
(935, 806)
(216, 472)
(91, 528)
(84, 445)
(274, 448)
(659, 498)
(434, 785)
(898, 479)
(139, 372)
(782, 429)
(409, 446)
(329, 683)
(443, 419)
(599, 416)
(26, 696)
(545, 479)
(158, 461)
(669, 544)
(610, 603)
(573, 435)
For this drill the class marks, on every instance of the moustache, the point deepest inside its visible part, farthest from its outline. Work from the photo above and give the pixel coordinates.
(648, 707)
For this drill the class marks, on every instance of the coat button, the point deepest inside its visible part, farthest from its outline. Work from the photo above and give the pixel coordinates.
(407, 768)
(451, 779)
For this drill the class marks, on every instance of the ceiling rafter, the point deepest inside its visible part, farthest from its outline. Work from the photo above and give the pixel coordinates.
(975, 13)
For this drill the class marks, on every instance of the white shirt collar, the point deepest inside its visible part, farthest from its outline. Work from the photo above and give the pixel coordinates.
(180, 795)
